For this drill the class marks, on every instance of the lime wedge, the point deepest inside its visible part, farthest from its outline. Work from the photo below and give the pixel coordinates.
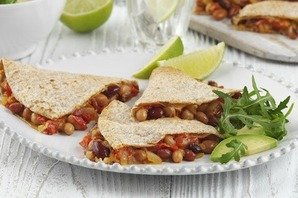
(161, 10)
(198, 64)
(86, 15)
(174, 47)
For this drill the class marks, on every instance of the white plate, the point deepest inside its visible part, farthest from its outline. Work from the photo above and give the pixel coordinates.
(274, 46)
(123, 64)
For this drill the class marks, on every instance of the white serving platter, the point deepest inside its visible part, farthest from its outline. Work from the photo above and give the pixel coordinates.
(123, 64)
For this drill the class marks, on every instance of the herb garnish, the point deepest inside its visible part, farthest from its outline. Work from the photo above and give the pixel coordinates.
(239, 150)
(254, 107)
(7, 1)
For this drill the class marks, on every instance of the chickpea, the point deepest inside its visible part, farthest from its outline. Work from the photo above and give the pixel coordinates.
(90, 155)
(178, 156)
(68, 128)
(187, 115)
(169, 140)
(212, 7)
(192, 108)
(200, 116)
(101, 99)
(169, 111)
(125, 92)
(220, 14)
(35, 120)
(141, 115)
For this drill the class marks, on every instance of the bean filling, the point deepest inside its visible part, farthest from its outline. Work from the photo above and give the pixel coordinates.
(78, 119)
(172, 148)
(220, 9)
(207, 113)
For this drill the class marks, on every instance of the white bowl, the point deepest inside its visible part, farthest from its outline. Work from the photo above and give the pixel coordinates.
(23, 25)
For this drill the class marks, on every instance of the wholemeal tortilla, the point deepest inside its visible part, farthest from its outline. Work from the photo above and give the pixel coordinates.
(120, 129)
(265, 9)
(52, 94)
(170, 85)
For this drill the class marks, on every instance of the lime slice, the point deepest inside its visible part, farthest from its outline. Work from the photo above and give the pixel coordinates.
(86, 15)
(198, 64)
(174, 47)
(161, 10)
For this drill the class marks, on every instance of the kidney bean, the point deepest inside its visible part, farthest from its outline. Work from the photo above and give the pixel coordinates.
(200, 116)
(233, 11)
(189, 155)
(141, 115)
(237, 95)
(195, 148)
(155, 112)
(169, 111)
(186, 114)
(178, 156)
(164, 153)
(214, 108)
(140, 155)
(27, 114)
(212, 83)
(224, 4)
(100, 150)
(213, 121)
(202, 107)
(77, 122)
(87, 113)
(208, 146)
(16, 108)
(111, 91)
(68, 128)
(220, 14)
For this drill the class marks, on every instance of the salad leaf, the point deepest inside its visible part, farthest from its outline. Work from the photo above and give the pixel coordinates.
(7, 1)
(254, 107)
(239, 150)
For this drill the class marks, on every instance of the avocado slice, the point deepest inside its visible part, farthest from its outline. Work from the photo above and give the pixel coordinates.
(254, 130)
(255, 144)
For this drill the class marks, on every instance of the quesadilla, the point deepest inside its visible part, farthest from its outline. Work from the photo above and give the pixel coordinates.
(119, 138)
(221, 9)
(54, 101)
(269, 17)
(171, 93)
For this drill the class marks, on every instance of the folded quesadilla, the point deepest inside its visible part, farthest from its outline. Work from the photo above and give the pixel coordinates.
(269, 17)
(171, 93)
(119, 138)
(221, 9)
(54, 101)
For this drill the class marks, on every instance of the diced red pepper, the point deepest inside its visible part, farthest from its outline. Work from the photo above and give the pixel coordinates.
(86, 140)
(80, 123)
(51, 127)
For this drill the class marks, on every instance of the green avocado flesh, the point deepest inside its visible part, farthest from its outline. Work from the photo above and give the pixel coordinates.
(255, 144)
(258, 130)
